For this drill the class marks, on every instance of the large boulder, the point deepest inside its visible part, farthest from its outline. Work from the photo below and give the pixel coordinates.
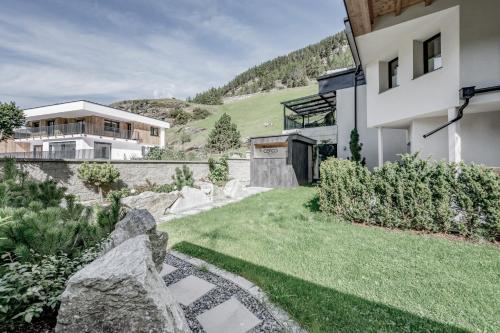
(234, 189)
(190, 198)
(155, 203)
(120, 292)
(139, 222)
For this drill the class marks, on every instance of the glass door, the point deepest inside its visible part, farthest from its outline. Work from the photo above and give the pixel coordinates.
(102, 150)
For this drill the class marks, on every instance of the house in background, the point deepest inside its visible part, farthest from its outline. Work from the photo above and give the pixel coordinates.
(432, 69)
(85, 130)
(427, 80)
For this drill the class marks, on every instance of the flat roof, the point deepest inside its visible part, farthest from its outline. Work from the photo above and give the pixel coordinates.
(83, 108)
(313, 104)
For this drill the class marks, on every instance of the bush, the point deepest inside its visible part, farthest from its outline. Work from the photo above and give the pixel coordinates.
(224, 136)
(199, 113)
(100, 175)
(219, 170)
(415, 194)
(29, 289)
(185, 137)
(180, 116)
(183, 177)
(163, 154)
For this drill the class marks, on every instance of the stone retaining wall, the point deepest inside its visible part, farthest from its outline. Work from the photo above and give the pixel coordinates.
(132, 172)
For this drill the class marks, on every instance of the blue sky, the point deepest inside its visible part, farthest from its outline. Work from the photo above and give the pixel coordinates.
(59, 50)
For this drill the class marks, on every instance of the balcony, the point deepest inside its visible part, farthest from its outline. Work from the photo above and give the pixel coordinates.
(71, 130)
(312, 116)
(72, 154)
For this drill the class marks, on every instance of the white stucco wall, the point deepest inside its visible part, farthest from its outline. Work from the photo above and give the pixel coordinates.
(435, 146)
(480, 133)
(431, 93)
(394, 139)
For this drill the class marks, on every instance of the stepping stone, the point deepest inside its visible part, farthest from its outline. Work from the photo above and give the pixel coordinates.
(167, 269)
(230, 316)
(189, 289)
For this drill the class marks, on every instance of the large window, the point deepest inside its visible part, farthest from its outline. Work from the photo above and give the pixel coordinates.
(102, 150)
(432, 54)
(154, 131)
(66, 149)
(393, 73)
(111, 126)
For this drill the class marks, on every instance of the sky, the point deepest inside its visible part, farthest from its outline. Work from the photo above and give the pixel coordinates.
(53, 51)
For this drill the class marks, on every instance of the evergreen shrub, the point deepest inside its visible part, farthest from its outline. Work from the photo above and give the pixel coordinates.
(461, 199)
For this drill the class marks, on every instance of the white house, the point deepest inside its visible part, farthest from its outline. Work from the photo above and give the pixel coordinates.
(432, 69)
(85, 130)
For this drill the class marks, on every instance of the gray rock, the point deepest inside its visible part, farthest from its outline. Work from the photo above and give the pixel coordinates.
(205, 187)
(139, 222)
(155, 203)
(190, 198)
(234, 189)
(120, 292)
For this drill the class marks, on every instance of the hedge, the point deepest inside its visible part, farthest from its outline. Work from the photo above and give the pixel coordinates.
(461, 199)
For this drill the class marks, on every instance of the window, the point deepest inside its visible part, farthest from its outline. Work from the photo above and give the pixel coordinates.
(393, 73)
(102, 150)
(154, 131)
(111, 126)
(66, 149)
(432, 54)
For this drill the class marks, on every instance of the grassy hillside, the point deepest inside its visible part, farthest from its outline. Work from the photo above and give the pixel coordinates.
(295, 69)
(260, 114)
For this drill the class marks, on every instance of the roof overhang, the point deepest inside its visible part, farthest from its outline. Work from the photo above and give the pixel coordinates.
(363, 13)
(312, 104)
(85, 108)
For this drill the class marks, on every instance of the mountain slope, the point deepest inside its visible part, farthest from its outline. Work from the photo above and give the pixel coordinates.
(295, 69)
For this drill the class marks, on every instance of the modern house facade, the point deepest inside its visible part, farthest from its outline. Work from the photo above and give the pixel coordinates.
(432, 69)
(85, 130)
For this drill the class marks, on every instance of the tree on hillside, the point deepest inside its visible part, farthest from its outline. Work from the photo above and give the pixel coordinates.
(11, 117)
(224, 135)
(355, 146)
(213, 96)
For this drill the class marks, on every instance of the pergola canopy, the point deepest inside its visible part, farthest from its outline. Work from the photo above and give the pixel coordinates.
(312, 104)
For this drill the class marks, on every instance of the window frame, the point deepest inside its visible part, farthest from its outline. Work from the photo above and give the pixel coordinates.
(154, 131)
(426, 53)
(112, 128)
(97, 154)
(389, 73)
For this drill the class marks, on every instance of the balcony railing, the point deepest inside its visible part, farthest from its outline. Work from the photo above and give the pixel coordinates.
(73, 129)
(74, 154)
(298, 122)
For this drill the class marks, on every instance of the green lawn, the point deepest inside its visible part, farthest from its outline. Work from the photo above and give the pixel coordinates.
(334, 276)
(261, 114)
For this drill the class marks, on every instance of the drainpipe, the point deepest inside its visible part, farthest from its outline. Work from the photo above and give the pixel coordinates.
(466, 93)
(358, 68)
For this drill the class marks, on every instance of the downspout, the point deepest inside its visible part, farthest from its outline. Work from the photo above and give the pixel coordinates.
(356, 97)
(466, 93)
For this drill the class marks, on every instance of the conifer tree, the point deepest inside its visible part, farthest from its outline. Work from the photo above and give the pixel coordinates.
(224, 135)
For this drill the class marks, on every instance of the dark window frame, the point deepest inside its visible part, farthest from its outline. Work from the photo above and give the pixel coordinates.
(112, 128)
(389, 71)
(97, 155)
(154, 131)
(426, 52)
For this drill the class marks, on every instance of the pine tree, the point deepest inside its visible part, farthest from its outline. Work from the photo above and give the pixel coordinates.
(355, 147)
(224, 135)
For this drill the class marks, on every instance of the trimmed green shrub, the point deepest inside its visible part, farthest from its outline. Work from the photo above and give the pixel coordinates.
(219, 170)
(345, 190)
(100, 175)
(415, 194)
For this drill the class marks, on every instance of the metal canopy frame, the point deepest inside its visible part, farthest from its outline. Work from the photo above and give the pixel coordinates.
(312, 104)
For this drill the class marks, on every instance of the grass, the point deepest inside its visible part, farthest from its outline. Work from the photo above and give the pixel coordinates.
(338, 277)
(261, 114)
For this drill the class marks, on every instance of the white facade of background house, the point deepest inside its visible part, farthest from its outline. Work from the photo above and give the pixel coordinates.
(131, 142)
(470, 56)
